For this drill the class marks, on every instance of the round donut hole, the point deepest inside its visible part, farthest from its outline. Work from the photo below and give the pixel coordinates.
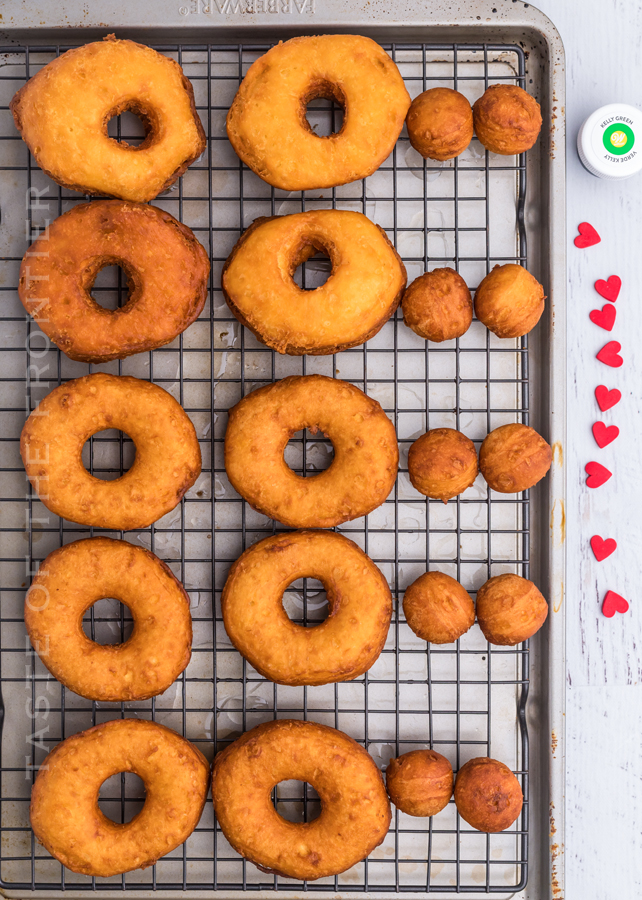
(127, 128)
(308, 454)
(313, 273)
(306, 602)
(105, 448)
(325, 117)
(111, 289)
(125, 785)
(296, 801)
(108, 622)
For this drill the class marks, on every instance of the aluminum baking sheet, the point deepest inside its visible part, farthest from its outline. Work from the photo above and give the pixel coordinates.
(465, 700)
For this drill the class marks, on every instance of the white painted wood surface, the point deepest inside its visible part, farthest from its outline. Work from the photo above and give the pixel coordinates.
(604, 656)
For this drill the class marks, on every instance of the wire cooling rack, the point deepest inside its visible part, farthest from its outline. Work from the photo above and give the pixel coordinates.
(466, 699)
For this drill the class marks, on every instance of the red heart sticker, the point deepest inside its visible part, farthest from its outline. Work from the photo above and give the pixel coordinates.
(604, 435)
(597, 474)
(587, 236)
(613, 603)
(606, 398)
(609, 355)
(610, 288)
(601, 549)
(604, 317)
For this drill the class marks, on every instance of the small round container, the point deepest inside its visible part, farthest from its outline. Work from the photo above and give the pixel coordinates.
(609, 142)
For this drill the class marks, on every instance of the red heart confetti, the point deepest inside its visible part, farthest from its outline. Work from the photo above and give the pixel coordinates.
(597, 474)
(587, 236)
(613, 603)
(606, 398)
(604, 317)
(603, 435)
(602, 548)
(610, 288)
(609, 355)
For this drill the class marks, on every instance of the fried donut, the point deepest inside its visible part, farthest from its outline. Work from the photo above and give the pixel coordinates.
(166, 268)
(510, 609)
(438, 306)
(267, 124)
(487, 794)
(168, 457)
(440, 123)
(438, 609)
(362, 292)
(360, 476)
(442, 463)
(344, 646)
(420, 783)
(513, 458)
(62, 114)
(507, 120)
(355, 811)
(65, 815)
(509, 301)
(72, 579)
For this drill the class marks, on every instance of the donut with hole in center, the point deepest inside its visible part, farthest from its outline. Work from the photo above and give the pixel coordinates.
(65, 815)
(166, 268)
(363, 290)
(342, 647)
(76, 576)
(168, 456)
(360, 476)
(355, 811)
(267, 124)
(62, 114)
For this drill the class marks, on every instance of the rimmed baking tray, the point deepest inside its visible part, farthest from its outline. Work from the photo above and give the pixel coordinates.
(465, 700)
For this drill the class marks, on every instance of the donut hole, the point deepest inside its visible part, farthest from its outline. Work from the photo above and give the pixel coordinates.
(306, 602)
(108, 622)
(313, 272)
(121, 797)
(308, 453)
(296, 801)
(111, 287)
(131, 127)
(324, 107)
(108, 454)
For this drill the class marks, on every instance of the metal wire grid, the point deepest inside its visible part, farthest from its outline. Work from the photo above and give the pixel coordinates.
(207, 370)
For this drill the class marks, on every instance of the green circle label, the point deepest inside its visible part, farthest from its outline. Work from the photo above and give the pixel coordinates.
(618, 139)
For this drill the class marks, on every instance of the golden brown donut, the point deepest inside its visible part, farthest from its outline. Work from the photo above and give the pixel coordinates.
(513, 458)
(507, 119)
(509, 301)
(420, 783)
(168, 457)
(362, 292)
(72, 579)
(166, 268)
(510, 609)
(357, 481)
(267, 123)
(65, 815)
(438, 609)
(438, 306)
(355, 812)
(63, 113)
(440, 123)
(442, 463)
(344, 646)
(487, 794)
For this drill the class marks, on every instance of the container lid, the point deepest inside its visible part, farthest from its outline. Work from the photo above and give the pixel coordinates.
(609, 142)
